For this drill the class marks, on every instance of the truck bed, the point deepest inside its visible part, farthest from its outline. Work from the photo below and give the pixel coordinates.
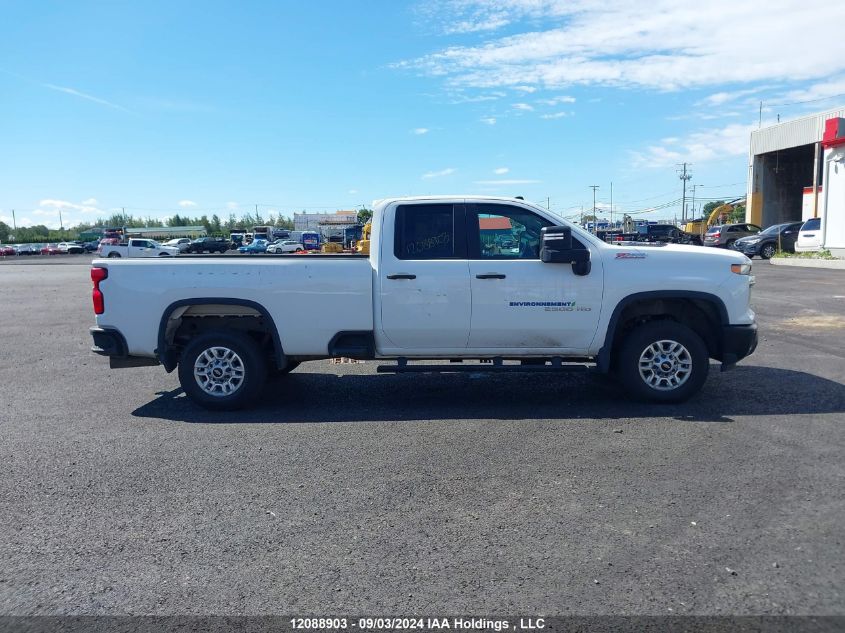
(302, 293)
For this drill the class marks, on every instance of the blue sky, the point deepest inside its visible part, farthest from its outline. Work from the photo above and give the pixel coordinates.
(204, 107)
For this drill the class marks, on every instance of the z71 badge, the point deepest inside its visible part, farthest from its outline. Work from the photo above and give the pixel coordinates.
(630, 255)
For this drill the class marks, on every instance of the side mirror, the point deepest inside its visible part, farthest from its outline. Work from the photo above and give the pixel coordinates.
(556, 248)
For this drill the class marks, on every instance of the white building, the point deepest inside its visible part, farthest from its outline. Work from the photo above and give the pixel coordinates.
(314, 221)
(796, 171)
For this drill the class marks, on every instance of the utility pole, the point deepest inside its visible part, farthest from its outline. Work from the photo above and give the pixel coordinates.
(14, 222)
(548, 204)
(595, 219)
(693, 200)
(61, 223)
(684, 176)
(611, 204)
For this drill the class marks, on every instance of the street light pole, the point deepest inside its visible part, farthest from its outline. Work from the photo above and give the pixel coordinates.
(595, 220)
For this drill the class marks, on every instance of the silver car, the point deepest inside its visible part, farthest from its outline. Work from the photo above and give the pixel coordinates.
(724, 235)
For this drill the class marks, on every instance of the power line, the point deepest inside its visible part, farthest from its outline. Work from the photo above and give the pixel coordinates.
(782, 105)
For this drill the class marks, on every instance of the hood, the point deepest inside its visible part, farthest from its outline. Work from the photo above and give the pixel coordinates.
(668, 250)
(748, 238)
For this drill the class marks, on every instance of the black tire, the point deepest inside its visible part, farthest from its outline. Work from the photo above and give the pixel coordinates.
(730, 244)
(164, 254)
(767, 251)
(247, 363)
(636, 346)
(111, 255)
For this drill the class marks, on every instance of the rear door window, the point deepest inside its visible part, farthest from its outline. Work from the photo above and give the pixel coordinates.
(430, 231)
(813, 224)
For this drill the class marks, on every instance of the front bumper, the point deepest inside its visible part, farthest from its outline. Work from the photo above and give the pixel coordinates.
(738, 341)
(748, 249)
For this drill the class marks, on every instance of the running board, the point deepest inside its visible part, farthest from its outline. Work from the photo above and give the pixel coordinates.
(492, 366)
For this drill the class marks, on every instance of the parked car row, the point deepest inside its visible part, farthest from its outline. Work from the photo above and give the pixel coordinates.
(60, 248)
(751, 240)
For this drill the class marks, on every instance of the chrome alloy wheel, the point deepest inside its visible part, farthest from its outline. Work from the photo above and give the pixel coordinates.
(665, 365)
(219, 371)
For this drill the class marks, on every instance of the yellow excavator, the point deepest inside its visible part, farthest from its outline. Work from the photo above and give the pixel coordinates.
(363, 245)
(717, 216)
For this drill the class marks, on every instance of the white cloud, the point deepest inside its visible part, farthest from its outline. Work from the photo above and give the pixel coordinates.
(83, 95)
(186, 204)
(504, 182)
(501, 170)
(672, 45)
(439, 174)
(353, 191)
(419, 131)
(523, 106)
(232, 205)
(820, 91)
(91, 202)
(528, 89)
(490, 120)
(555, 115)
(697, 147)
(66, 205)
(460, 96)
(557, 100)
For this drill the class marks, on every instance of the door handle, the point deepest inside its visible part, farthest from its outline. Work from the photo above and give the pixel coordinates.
(402, 276)
(491, 276)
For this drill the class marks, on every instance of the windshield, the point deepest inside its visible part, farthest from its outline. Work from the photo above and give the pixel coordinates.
(714, 229)
(772, 230)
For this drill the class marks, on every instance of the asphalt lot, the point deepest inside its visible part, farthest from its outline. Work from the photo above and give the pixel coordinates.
(351, 492)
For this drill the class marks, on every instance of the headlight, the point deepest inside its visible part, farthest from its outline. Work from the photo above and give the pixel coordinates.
(741, 269)
(752, 241)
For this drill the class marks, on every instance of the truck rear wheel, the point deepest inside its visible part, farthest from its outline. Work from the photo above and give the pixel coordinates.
(222, 370)
(662, 361)
(113, 254)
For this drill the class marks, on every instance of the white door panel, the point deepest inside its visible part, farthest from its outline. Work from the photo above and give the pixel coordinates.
(518, 302)
(424, 289)
(430, 311)
(536, 305)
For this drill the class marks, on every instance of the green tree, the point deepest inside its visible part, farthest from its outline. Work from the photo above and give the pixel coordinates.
(283, 222)
(215, 223)
(5, 229)
(737, 215)
(364, 215)
(710, 206)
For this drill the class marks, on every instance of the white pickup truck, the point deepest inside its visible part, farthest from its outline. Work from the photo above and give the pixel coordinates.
(138, 248)
(496, 280)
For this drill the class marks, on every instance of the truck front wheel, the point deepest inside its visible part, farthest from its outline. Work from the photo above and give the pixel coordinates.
(662, 361)
(222, 370)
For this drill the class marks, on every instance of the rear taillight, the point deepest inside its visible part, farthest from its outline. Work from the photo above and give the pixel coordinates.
(97, 275)
(715, 235)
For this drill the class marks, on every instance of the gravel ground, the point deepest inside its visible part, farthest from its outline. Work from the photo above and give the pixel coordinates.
(351, 492)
